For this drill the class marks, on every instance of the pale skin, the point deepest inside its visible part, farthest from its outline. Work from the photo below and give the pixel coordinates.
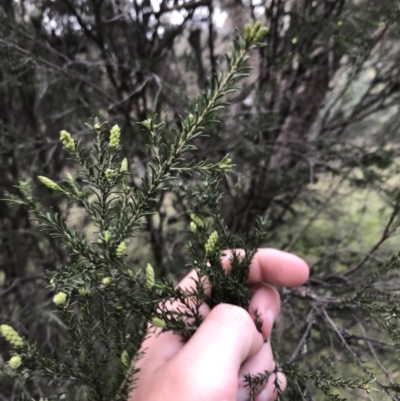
(227, 345)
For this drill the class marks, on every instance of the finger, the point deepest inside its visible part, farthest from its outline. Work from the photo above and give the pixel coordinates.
(275, 381)
(230, 328)
(268, 265)
(266, 303)
(262, 362)
(272, 266)
(161, 347)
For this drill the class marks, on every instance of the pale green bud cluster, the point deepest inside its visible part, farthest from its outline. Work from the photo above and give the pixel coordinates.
(211, 242)
(157, 322)
(49, 183)
(148, 124)
(67, 141)
(15, 362)
(197, 220)
(193, 227)
(125, 359)
(85, 292)
(124, 166)
(226, 165)
(97, 127)
(115, 133)
(11, 336)
(110, 173)
(191, 118)
(149, 276)
(60, 298)
(107, 236)
(121, 250)
(256, 32)
(106, 281)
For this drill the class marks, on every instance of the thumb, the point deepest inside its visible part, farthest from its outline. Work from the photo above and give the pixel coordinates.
(214, 354)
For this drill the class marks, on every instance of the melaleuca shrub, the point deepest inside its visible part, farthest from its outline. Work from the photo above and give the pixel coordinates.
(108, 307)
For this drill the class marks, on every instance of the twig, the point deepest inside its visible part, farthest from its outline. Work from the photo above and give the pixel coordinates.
(310, 321)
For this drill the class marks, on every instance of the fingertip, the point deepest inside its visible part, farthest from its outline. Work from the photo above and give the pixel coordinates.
(302, 270)
(279, 268)
(231, 328)
(266, 303)
(276, 385)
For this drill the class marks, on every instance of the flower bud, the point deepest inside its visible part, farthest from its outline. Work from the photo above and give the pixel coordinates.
(60, 298)
(121, 250)
(11, 336)
(149, 276)
(124, 166)
(49, 183)
(84, 292)
(115, 133)
(157, 322)
(15, 362)
(197, 220)
(225, 165)
(261, 33)
(70, 178)
(106, 281)
(107, 236)
(211, 242)
(67, 141)
(125, 359)
(110, 173)
(193, 227)
(248, 30)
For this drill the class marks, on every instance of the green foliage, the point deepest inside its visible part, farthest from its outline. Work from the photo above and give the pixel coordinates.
(312, 111)
(106, 305)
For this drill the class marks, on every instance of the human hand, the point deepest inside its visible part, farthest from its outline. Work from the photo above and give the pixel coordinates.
(226, 346)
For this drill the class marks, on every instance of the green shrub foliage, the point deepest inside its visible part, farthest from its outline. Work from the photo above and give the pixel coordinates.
(105, 305)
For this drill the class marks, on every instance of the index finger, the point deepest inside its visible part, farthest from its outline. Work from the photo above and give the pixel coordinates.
(273, 267)
(268, 266)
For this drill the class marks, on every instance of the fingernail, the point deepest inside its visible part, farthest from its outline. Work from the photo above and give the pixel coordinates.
(242, 394)
(271, 316)
(264, 395)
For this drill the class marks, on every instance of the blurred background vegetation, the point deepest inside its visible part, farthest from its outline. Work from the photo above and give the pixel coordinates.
(314, 135)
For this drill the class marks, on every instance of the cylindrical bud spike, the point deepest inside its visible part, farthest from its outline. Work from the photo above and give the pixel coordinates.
(149, 276)
(15, 362)
(124, 166)
(49, 183)
(114, 136)
(67, 141)
(121, 250)
(107, 236)
(197, 220)
(211, 242)
(11, 336)
(125, 359)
